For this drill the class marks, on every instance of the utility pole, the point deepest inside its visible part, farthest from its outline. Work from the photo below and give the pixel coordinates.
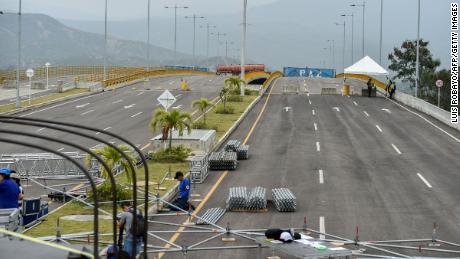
(417, 61)
(194, 17)
(18, 69)
(218, 41)
(226, 47)
(175, 7)
(243, 46)
(333, 52)
(207, 36)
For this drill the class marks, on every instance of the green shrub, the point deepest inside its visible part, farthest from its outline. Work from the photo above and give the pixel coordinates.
(104, 192)
(175, 154)
(248, 91)
(234, 98)
(228, 110)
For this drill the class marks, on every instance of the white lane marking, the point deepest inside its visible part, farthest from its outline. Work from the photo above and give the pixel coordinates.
(316, 126)
(118, 101)
(59, 150)
(178, 106)
(367, 114)
(97, 133)
(355, 103)
(90, 111)
(308, 94)
(141, 93)
(129, 106)
(134, 115)
(424, 180)
(81, 105)
(309, 102)
(321, 176)
(313, 112)
(378, 127)
(336, 108)
(40, 129)
(107, 128)
(95, 146)
(318, 147)
(322, 228)
(428, 121)
(386, 110)
(178, 95)
(59, 105)
(171, 82)
(396, 149)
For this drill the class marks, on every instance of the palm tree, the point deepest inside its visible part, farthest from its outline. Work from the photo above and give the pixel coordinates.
(202, 105)
(235, 83)
(113, 158)
(166, 121)
(223, 96)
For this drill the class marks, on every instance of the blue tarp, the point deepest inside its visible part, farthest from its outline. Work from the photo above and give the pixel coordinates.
(308, 72)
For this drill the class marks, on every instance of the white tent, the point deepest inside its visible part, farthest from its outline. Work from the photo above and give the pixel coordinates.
(366, 66)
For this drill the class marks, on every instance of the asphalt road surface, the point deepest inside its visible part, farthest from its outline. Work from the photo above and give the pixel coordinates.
(351, 162)
(126, 111)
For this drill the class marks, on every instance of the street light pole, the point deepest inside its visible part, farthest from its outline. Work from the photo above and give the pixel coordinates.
(148, 38)
(105, 42)
(381, 32)
(243, 45)
(343, 47)
(175, 26)
(333, 52)
(207, 36)
(47, 65)
(194, 17)
(364, 13)
(417, 61)
(352, 15)
(18, 76)
(218, 34)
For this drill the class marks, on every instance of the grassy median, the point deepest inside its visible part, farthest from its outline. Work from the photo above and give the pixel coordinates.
(42, 99)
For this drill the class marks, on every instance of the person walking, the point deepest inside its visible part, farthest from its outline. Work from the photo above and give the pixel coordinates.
(184, 191)
(369, 87)
(125, 222)
(9, 190)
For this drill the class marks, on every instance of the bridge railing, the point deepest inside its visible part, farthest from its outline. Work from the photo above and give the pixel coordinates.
(272, 77)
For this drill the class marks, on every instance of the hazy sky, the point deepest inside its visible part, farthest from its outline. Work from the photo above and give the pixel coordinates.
(94, 9)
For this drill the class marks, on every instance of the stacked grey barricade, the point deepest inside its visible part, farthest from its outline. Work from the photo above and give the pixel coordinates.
(257, 199)
(223, 161)
(211, 216)
(284, 200)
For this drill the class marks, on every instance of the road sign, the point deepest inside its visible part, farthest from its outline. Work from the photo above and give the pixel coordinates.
(166, 99)
(439, 83)
(30, 72)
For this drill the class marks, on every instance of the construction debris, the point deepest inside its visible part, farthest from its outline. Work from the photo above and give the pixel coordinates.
(284, 200)
(210, 216)
(223, 160)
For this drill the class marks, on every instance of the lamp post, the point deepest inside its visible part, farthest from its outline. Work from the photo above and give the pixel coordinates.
(333, 51)
(105, 42)
(47, 66)
(18, 78)
(194, 17)
(226, 47)
(352, 15)
(364, 12)
(148, 39)
(343, 47)
(417, 61)
(381, 32)
(175, 7)
(30, 74)
(243, 45)
(218, 34)
(207, 36)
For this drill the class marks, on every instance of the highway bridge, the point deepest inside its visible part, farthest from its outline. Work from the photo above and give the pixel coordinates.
(361, 168)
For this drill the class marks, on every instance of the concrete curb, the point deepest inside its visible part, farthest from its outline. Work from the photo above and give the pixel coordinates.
(173, 191)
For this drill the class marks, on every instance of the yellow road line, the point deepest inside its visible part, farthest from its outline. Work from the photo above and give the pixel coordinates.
(214, 187)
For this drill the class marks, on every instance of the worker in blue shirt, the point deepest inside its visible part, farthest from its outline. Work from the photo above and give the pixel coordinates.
(184, 190)
(9, 190)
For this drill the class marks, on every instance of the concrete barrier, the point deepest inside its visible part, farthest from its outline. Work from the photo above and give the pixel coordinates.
(425, 107)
